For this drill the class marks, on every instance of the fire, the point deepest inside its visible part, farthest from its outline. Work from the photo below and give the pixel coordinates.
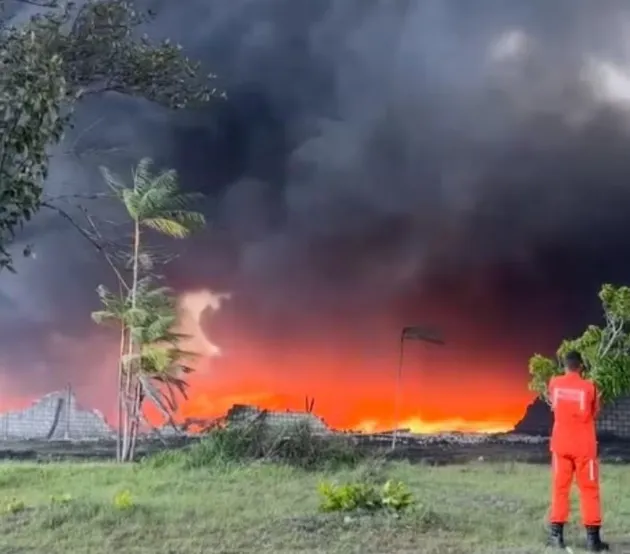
(352, 382)
(357, 397)
(442, 390)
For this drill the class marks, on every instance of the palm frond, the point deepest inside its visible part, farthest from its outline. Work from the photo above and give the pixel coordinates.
(176, 223)
(166, 182)
(114, 307)
(131, 202)
(156, 197)
(172, 338)
(112, 180)
(172, 387)
(156, 201)
(191, 219)
(168, 227)
(179, 354)
(156, 330)
(101, 317)
(156, 397)
(151, 292)
(181, 201)
(142, 177)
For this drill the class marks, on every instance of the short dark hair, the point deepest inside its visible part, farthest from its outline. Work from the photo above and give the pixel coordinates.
(573, 360)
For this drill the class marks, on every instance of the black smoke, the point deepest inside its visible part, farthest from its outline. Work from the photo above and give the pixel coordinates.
(376, 163)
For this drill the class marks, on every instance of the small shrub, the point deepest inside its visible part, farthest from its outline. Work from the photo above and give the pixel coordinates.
(393, 496)
(123, 500)
(14, 506)
(396, 496)
(349, 497)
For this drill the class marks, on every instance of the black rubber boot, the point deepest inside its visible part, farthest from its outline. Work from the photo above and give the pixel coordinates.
(593, 541)
(556, 536)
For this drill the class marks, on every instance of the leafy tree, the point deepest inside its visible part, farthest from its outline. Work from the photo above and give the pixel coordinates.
(63, 54)
(605, 349)
(33, 90)
(149, 351)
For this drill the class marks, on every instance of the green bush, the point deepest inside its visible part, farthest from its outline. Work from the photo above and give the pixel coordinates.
(296, 446)
(123, 501)
(350, 497)
(396, 496)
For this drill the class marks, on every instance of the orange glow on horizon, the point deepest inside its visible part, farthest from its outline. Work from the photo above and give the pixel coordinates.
(352, 382)
(442, 389)
(360, 398)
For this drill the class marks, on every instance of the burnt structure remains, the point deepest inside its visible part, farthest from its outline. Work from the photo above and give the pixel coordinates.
(58, 416)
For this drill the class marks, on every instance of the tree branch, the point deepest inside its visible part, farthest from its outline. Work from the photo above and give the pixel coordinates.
(40, 3)
(99, 246)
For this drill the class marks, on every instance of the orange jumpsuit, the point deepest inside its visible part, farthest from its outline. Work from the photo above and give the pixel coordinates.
(575, 404)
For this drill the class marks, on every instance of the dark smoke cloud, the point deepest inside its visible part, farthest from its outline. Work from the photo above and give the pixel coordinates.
(376, 162)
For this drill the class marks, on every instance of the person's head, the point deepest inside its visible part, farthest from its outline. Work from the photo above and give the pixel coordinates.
(573, 361)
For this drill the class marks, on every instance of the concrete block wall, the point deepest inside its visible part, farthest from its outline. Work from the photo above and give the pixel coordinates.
(614, 419)
(55, 416)
(242, 415)
(58, 416)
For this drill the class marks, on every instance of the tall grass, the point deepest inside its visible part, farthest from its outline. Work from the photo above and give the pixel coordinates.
(295, 445)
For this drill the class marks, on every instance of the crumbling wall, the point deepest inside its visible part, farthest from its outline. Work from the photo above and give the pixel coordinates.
(241, 414)
(55, 416)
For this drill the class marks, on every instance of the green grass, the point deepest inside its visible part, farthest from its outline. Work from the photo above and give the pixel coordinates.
(269, 508)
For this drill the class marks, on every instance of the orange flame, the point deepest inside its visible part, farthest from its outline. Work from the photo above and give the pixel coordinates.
(442, 389)
(350, 393)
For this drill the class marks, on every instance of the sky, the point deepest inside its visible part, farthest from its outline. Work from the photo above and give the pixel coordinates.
(376, 164)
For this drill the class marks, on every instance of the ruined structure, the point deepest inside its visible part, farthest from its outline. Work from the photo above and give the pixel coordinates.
(58, 416)
(241, 414)
(55, 416)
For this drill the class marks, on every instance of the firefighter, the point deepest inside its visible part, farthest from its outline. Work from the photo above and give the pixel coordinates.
(574, 401)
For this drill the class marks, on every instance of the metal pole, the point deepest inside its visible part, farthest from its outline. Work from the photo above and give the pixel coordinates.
(68, 407)
(397, 398)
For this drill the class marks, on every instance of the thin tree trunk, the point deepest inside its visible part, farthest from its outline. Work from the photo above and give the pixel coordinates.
(135, 423)
(121, 373)
(120, 392)
(128, 418)
(131, 367)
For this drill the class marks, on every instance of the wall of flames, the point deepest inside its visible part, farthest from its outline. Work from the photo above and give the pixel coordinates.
(442, 390)
(353, 387)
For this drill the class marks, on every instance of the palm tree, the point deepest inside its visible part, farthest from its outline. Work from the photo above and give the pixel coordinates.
(154, 202)
(155, 370)
(160, 364)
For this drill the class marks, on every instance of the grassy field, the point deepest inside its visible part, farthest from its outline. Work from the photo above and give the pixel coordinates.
(269, 508)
